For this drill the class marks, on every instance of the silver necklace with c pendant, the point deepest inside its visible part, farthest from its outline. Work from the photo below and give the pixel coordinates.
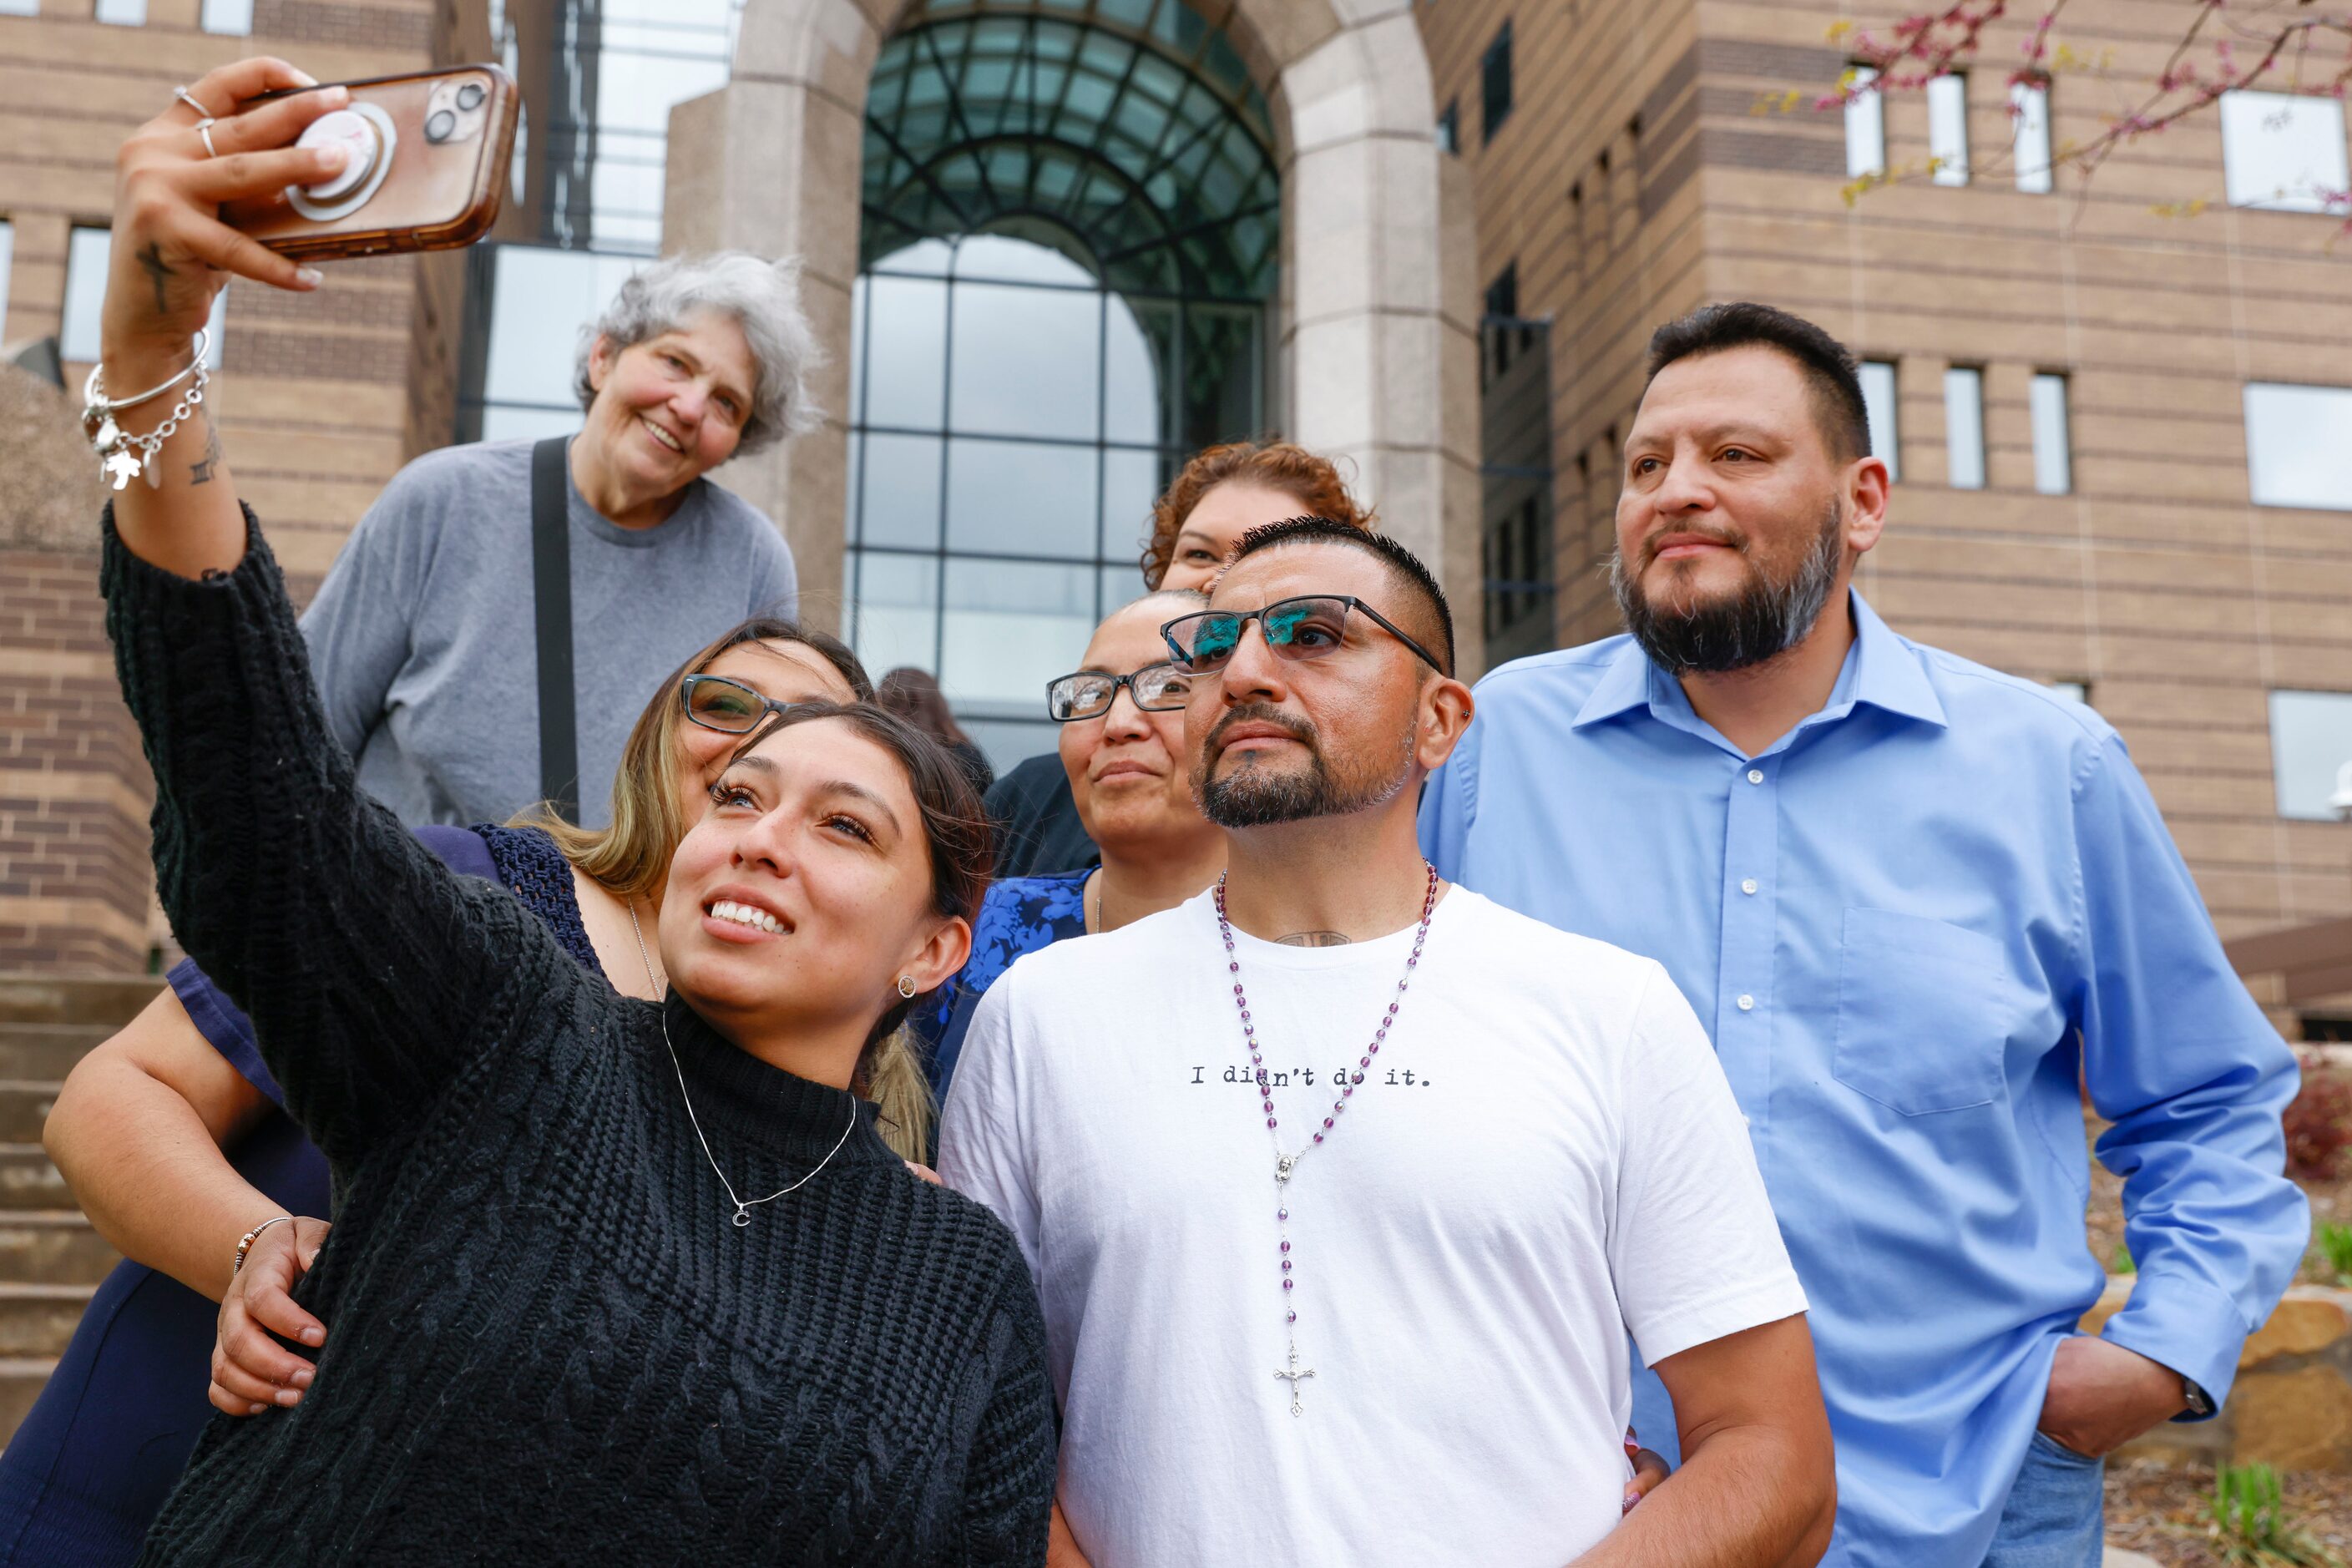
(743, 1206)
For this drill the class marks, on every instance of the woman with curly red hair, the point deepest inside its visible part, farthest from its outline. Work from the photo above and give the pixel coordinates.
(1220, 495)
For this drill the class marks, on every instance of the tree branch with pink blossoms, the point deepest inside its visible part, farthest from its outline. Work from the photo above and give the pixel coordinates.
(2292, 46)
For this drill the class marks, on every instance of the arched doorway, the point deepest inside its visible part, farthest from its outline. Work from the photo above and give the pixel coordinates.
(1068, 247)
(1371, 334)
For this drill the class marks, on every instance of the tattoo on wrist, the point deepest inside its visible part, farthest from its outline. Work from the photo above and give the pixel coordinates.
(1314, 939)
(202, 473)
(157, 270)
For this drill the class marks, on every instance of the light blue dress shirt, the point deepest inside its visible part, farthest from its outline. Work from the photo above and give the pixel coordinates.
(1909, 924)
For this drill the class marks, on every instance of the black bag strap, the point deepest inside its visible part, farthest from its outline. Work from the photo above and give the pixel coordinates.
(551, 584)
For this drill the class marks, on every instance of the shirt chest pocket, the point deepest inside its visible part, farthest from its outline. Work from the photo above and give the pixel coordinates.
(1922, 1014)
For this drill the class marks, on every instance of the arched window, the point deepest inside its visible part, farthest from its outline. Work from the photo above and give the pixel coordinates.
(1069, 243)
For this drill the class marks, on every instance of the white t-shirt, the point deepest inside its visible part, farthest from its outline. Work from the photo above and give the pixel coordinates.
(1544, 1157)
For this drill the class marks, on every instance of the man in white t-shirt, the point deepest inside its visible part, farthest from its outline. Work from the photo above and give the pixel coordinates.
(1342, 1188)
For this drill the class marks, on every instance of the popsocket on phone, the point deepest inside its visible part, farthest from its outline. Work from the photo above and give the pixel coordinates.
(366, 133)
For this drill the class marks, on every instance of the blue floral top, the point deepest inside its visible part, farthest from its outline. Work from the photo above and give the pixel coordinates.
(1020, 914)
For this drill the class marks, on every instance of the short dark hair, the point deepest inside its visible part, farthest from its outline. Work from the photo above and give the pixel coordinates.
(1403, 564)
(1829, 370)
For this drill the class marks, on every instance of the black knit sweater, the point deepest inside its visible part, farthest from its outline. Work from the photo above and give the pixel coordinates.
(545, 1341)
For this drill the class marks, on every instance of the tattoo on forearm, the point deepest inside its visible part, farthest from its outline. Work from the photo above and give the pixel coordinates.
(157, 270)
(1314, 939)
(202, 473)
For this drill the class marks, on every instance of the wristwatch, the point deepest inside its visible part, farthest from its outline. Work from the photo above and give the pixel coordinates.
(2199, 1401)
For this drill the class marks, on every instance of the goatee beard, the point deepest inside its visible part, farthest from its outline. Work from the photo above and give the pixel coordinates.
(1255, 796)
(1762, 620)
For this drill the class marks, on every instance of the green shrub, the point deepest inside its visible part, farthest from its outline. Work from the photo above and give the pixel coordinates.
(2335, 1243)
(2251, 1526)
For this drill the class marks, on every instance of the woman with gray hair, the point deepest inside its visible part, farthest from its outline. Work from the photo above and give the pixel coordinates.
(440, 637)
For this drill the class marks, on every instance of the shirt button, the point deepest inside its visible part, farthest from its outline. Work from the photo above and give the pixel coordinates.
(1748, 886)
(1756, 775)
(1747, 1002)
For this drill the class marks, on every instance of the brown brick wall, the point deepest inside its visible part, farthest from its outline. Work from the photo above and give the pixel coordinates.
(73, 788)
(319, 400)
(1636, 179)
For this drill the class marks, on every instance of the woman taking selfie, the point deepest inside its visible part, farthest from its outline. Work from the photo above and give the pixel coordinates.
(173, 1139)
(610, 1281)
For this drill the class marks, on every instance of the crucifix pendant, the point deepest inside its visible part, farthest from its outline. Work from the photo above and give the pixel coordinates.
(1294, 1377)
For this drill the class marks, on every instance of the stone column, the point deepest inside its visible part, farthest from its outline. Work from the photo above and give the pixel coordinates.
(771, 163)
(1378, 334)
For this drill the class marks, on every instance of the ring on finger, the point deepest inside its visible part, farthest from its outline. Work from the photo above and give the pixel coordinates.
(205, 130)
(184, 96)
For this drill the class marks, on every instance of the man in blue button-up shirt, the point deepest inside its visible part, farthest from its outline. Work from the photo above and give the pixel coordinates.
(1914, 900)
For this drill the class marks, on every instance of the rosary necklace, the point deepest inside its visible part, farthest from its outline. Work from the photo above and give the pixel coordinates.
(1285, 1164)
(743, 1206)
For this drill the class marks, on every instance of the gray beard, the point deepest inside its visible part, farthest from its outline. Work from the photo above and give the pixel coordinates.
(1762, 621)
(1252, 796)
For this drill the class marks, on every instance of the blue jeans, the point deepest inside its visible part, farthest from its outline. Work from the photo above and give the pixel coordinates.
(2056, 1512)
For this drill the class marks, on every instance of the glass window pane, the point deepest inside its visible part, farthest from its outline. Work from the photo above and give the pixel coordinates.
(1878, 399)
(1130, 377)
(1020, 498)
(541, 299)
(906, 352)
(86, 250)
(1964, 427)
(233, 16)
(20, 7)
(2299, 445)
(1024, 360)
(2054, 460)
(1866, 127)
(2311, 746)
(2030, 147)
(895, 601)
(1130, 484)
(1001, 259)
(122, 12)
(900, 492)
(1947, 127)
(2282, 152)
(1012, 626)
(1123, 585)
(515, 422)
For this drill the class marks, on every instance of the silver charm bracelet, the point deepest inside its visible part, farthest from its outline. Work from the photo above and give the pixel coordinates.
(121, 455)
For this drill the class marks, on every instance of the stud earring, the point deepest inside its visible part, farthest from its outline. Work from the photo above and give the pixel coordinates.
(907, 986)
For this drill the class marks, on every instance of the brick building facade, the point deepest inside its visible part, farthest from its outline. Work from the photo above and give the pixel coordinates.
(1638, 170)
(320, 401)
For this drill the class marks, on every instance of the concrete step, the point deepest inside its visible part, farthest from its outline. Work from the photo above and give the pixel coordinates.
(21, 1379)
(27, 1180)
(37, 1320)
(53, 1246)
(46, 1051)
(25, 1110)
(100, 1000)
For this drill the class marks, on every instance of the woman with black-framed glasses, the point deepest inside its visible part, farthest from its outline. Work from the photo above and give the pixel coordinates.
(1122, 748)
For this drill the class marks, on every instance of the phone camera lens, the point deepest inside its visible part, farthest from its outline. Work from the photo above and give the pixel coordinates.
(469, 96)
(440, 125)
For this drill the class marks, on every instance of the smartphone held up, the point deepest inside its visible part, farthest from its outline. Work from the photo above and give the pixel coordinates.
(426, 171)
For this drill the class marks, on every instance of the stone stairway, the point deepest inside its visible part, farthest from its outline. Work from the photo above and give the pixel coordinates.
(50, 1258)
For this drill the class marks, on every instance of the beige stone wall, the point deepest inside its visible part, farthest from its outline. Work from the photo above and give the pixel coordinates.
(2156, 581)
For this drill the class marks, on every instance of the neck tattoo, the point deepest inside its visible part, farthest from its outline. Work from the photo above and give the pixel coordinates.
(1287, 1165)
(1314, 939)
(743, 1206)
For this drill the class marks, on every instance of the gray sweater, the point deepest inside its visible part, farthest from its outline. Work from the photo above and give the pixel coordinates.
(426, 650)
